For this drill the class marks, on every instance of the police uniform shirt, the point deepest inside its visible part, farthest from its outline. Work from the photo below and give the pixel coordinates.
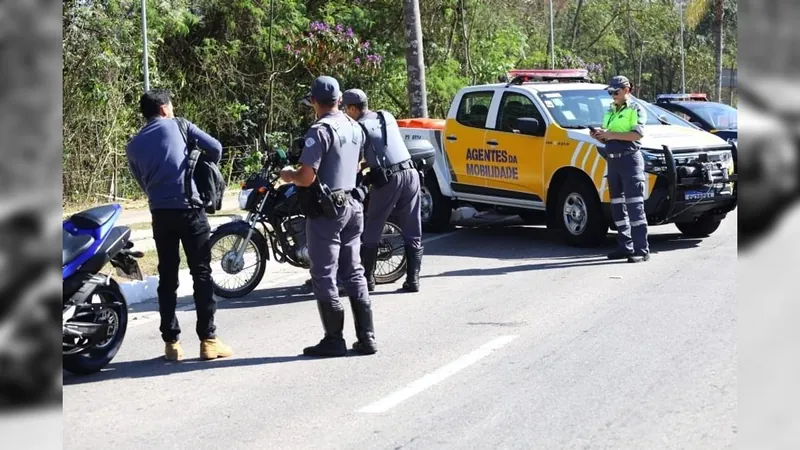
(629, 117)
(395, 151)
(336, 165)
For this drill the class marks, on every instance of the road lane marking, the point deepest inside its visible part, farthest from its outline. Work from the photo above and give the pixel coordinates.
(438, 376)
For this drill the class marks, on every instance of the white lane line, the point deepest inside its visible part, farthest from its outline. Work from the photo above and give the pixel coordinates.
(438, 376)
(439, 236)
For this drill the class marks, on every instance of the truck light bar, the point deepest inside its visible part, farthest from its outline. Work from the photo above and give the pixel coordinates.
(701, 97)
(523, 75)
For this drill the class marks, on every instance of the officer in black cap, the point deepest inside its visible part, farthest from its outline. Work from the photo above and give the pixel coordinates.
(329, 161)
(623, 128)
(395, 187)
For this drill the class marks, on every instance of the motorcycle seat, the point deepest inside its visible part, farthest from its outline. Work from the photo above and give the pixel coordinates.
(73, 246)
(94, 217)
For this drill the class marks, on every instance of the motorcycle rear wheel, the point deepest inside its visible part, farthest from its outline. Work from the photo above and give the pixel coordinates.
(390, 247)
(97, 357)
(256, 243)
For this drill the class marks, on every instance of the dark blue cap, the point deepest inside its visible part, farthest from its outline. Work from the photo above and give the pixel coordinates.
(619, 82)
(354, 97)
(323, 88)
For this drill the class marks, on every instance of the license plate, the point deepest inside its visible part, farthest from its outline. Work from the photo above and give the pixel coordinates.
(698, 195)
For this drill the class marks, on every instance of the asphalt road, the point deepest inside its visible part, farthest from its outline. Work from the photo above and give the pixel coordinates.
(516, 341)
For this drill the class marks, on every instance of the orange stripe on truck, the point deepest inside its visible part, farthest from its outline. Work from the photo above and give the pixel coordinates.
(427, 124)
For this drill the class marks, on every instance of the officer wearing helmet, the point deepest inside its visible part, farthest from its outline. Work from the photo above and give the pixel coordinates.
(623, 128)
(334, 219)
(395, 187)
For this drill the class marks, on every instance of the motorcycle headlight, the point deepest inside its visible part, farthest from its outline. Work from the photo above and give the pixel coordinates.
(654, 163)
(243, 196)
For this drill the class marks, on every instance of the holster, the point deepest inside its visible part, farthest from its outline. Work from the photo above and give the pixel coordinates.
(319, 201)
(380, 176)
(308, 203)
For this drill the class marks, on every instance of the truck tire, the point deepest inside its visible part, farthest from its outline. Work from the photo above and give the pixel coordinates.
(702, 228)
(579, 214)
(437, 209)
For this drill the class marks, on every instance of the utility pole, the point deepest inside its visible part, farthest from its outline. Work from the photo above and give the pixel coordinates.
(415, 60)
(552, 40)
(683, 61)
(144, 47)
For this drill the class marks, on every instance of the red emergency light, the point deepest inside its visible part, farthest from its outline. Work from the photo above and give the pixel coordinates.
(524, 75)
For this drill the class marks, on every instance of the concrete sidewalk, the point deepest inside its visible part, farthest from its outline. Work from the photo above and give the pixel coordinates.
(142, 215)
(142, 236)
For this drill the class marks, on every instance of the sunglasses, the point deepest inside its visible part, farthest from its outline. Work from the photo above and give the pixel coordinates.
(614, 91)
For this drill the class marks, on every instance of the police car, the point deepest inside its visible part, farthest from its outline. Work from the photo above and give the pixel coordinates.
(717, 118)
(524, 145)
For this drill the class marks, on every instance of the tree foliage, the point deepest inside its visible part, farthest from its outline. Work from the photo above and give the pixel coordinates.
(238, 67)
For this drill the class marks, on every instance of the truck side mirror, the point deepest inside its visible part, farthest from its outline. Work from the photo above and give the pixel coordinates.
(528, 125)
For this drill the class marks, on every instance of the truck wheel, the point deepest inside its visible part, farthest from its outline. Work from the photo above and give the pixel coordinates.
(436, 209)
(579, 214)
(702, 228)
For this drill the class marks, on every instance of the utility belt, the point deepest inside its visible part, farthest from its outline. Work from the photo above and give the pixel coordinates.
(317, 200)
(616, 155)
(380, 176)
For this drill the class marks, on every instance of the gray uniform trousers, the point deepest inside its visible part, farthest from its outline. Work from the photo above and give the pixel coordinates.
(401, 196)
(334, 249)
(626, 184)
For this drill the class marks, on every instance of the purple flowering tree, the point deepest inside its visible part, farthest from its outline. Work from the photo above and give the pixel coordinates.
(336, 51)
(576, 62)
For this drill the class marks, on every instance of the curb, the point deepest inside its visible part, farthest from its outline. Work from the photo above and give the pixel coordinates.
(141, 291)
(143, 239)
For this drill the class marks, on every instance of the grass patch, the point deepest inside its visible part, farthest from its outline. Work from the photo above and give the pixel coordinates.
(227, 212)
(141, 226)
(148, 265)
(149, 262)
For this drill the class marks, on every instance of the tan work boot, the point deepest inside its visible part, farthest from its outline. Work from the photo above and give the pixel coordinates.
(173, 351)
(214, 348)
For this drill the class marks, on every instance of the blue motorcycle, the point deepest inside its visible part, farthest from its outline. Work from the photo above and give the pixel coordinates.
(95, 312)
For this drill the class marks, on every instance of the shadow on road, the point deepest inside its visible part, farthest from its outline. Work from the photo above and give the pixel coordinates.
(507, 243)
(518, 242)
(270, 297)
(157, 367)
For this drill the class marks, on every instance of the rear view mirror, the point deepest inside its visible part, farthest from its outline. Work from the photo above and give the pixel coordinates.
(527, 125)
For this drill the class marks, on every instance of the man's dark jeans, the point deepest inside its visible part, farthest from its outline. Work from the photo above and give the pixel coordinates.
(191, 228)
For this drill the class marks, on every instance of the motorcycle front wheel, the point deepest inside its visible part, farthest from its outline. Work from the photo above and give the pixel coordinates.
(390, 265)
(224, 246)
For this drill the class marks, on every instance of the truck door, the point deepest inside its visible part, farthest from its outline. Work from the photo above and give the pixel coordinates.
(465, 133)
(514, 159)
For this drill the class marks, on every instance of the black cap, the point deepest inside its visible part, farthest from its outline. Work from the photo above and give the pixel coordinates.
(323, 88)
(354, 97)
(619, 82)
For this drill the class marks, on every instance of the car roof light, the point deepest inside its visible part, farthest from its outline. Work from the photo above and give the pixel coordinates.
(519, 76)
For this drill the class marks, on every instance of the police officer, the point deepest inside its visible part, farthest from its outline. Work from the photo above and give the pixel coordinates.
(395, 187)
(329, 160)
(623, 127)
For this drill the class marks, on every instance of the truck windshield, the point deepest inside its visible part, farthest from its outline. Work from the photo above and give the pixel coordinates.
(718, 115)
(582, 108)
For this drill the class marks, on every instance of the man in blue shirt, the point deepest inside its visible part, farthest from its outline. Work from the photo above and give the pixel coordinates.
(157, 156)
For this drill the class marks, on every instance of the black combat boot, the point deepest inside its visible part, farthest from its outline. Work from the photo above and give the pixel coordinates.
(365, 332)
(333, 343)
(414, 257)
(369, 256)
